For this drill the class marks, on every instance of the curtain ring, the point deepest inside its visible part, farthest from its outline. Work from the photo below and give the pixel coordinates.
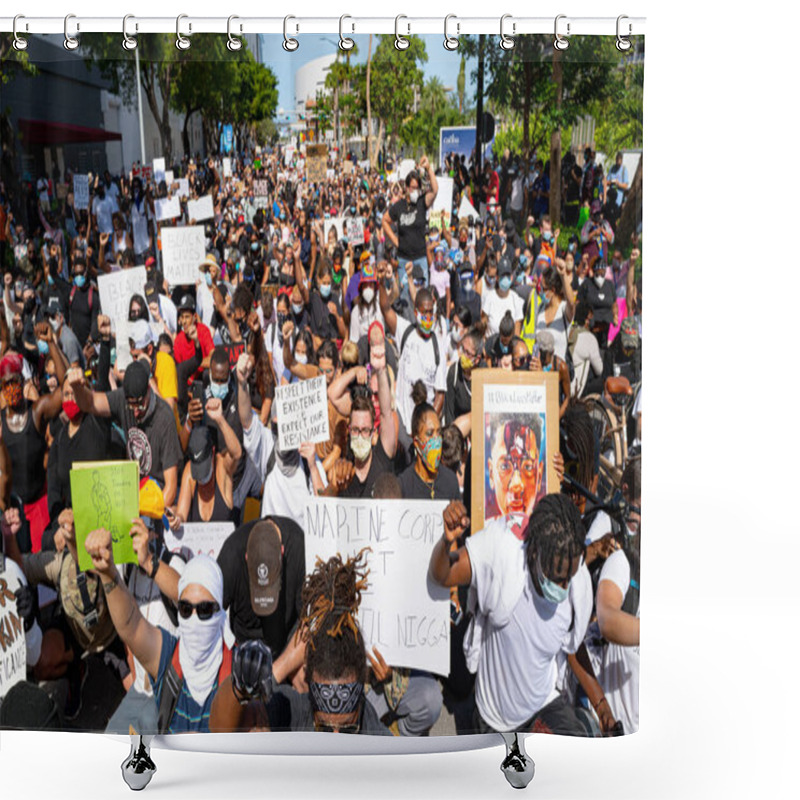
(400, 42)
(560, 43)
(289, 44)
(70, 42)
(234, 44)
(182, 43)
(451, 42)
(623, 42)
(128, 42)
(345, 42)
(506, 42)
(19, 42)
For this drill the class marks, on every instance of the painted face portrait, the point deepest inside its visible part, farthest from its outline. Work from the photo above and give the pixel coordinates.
(515, 469)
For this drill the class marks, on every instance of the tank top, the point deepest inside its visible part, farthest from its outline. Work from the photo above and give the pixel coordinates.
(119, 244)
(26, 450)
(558, 327)
(219, 513)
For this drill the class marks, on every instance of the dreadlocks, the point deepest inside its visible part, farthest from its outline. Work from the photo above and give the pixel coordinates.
(578, 444)
(330, 599)
(555, 533)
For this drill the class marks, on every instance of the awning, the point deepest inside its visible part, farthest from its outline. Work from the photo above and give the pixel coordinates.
(39, 131)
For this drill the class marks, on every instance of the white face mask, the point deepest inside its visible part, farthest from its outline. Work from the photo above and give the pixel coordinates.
(201, 652)
(301, 358)
(599, 280)
(368, 295)
(361, 447)
(413, 196)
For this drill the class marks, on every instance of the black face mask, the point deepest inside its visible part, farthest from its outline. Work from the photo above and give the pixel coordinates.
(286, 280)
(30, 305)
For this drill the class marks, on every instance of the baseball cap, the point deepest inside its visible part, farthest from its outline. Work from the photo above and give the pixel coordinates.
(201, 452)
(136, 379)
(53, 306)
(150, 292)
(141, 334)
(186, 303)
(546, 341)
(597, 207)
(504, 267)
(264, 565)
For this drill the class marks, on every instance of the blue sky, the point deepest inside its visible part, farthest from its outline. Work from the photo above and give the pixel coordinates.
(440, 62)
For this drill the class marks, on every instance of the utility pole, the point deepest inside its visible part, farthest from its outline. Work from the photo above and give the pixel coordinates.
(139, 103)
(479, 109)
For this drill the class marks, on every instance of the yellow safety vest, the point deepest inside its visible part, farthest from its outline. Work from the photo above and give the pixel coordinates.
(529, 323)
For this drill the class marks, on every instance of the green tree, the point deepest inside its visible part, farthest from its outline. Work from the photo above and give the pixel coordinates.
(461, 84)
(619, 116)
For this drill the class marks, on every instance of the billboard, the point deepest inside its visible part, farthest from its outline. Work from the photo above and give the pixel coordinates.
(459, 140)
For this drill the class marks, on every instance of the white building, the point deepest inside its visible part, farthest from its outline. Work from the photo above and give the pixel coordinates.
(310, 79)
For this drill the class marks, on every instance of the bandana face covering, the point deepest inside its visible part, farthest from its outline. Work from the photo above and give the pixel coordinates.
(432, 453)
(71, 409)
(12, 394)
(336, 698)
(201, 653)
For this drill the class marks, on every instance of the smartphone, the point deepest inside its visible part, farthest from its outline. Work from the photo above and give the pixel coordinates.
(198, 393)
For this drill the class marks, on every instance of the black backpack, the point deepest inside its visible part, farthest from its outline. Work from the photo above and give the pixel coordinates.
(409, 330)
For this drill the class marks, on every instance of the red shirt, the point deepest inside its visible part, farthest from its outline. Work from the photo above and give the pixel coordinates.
(184, 349)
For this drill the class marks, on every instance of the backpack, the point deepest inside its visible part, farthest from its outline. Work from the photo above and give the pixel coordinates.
(172, 683)
(409, 330)
(91, 297)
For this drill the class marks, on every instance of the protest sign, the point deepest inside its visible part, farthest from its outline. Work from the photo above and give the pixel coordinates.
(317, 162)
(260, 188)
(347, 167)
(169, 177)
(354, 228)
(288, 156)
(183, 249)
(403, 612)
(13, 651)
(116, 290)
(195, 538)
(330, 174)
(183, 187)
(364, 165)
(122, 333)
(105, 494)
(302, 413)
(226, 167)
(466, 209)
(262, 202)
(61, 191)
(80, 189)
(337, 225)
(159, 170)
(406, 165)
(44, 199)
(200, 209)
(168, 208)
(442, 208)
(145, 173)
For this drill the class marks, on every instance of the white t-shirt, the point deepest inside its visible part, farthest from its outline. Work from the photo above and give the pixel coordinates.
(139, 216)
(103, 209)
(360, 320)
(495, 308)
(517, 192)
(617, 667)
(558, 327)
(275, 348)
(20, 651)
(520, 633)
(417, 362)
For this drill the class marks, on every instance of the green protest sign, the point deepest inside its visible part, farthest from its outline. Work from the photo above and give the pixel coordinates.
(105, 494)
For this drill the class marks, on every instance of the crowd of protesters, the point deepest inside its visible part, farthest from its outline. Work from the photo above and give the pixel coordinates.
(545, 622)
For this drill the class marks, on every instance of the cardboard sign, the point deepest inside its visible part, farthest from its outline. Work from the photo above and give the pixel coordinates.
(80, 189)
(260, 188)
(200, 209)
(13, 650)
(183, 249)
(61, 191)
(169, 177)
(403, 612)
(302, 413)
(442, 208)
(354, 227)
(105, 494)
(159, 170)
(116, 290)
(317, 169)
(347, 167)
(196, 538)
(466, 209)
(226, 167)
(168, 208)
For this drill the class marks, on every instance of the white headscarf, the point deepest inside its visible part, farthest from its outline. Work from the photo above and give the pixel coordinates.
(200, 652)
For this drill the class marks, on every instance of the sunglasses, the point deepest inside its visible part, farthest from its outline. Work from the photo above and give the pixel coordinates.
(205, 609)
(324, 727)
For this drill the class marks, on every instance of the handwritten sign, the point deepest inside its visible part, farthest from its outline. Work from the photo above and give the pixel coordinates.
(403, 612)
(80, 190)
(466, 209)
(195, 538)
(159, 170)
(442, 209)
(105, 494)
(183, 249)
(116, 290)
(302, 413)
(354, 226)
(61, 191)
(200, 209)
(12, 631)
(316, 162)
(183, 187)
(260, 188)
(406, 166)
(168, 208)
(169, 177)
(336, 224)
(226, 167)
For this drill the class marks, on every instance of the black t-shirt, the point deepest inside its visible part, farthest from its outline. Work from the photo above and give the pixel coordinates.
(274, 630)
(323, 323)
(411, 223)
(81, 313)
(153, 441)
(458, 398)
(381, 463)
(600, 300)
(445, 486)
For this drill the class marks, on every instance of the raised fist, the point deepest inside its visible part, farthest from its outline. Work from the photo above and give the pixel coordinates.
(251, 671)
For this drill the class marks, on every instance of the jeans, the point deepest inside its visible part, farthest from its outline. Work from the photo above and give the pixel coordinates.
(418, 708)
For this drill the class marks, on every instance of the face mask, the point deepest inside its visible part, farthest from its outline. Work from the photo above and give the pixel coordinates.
(254, 246)
(208, 279)
(361, 447)
(50, 280)
(43, 348)
(599, 280)
(456, 336)
(56, 323)
(466, 362)
(301, 358)
(505, 283)
(552, 592)
(71, 409)
(432, 453)
(297, 309)
(30, 304)
(201, 649)
(491, 281)
(572, 247)
(12, 393)
(467, 284)
(80, 281)
(547, 236)
(413, 197)
(325, 290)
(219, 391)
(425, 325)
(368, 294)
(17, 290)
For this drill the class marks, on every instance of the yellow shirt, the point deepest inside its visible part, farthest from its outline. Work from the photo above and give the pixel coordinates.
(167, 380)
